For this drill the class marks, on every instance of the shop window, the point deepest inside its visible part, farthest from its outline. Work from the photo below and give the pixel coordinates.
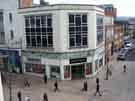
(66, 71)
(78, 30)
(88, 69)
(28, 67)
(37, 68)
(101, 62)
(96, 65)
(34, 68)
(12, 34)
(10, 17)
(55, 72)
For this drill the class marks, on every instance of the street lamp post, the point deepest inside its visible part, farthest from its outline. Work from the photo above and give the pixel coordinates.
(106, 54)
(107, 27)
(10, 76)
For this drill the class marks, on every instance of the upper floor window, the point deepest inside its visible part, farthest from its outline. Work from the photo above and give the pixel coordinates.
(1, 17)
(39, 31)
(100, 29)
(2, 37)
(10, 17)
(78, 30)
(12, 34)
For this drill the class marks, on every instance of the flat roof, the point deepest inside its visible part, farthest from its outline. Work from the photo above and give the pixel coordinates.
(36, 6)
(61, 7)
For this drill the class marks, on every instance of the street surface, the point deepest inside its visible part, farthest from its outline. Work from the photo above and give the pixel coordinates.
(119, 87)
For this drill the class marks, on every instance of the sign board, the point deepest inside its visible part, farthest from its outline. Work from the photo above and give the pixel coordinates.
(78, 60)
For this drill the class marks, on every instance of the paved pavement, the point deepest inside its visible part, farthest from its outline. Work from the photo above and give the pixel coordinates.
(120, 87)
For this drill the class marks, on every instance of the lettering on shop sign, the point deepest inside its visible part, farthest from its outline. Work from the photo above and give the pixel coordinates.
(78, 60)
(33, 60)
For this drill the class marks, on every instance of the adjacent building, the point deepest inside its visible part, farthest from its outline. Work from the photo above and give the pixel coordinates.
(131, 26)
(10, 37)
(64, 41)
(118, 37)
(110, 15)
(123, 21)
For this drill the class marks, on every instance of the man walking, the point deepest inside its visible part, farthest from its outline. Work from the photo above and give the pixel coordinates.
(45, 78)
(45, 97)
(124, 68)
(97, 87)
(56, 86)
(19, 95)
(85, 86)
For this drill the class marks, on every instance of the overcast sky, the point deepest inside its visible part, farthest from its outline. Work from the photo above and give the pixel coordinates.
(124, 7)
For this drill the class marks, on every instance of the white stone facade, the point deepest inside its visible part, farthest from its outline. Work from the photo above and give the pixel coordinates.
(61, 55)
(11, 7)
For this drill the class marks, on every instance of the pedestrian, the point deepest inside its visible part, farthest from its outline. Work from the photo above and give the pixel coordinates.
(45, 97)
(56, 86)
(85, 86)
(124, 68)
(19, 95)
(97, 80)
(97, 87)
(45, 78)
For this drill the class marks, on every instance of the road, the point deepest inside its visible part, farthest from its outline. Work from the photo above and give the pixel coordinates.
(120, 87)
(131, 55)
(131, 83)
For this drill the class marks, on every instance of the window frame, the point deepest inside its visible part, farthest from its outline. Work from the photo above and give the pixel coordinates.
(73, 31)
(99, 29)
(42, 30)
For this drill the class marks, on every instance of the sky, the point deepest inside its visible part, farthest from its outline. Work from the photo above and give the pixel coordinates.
(124, 7)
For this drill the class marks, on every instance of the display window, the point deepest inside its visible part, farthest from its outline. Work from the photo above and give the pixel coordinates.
(55, 72)
(67, 71)
(88, 69)
(34, 68)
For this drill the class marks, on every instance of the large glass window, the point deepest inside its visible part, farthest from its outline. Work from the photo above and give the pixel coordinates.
(100, 29)
(39, 31)
(2, 37)
(88, 69)
(10, 17)
(11, 34)
(67, 71)
(96, 65)
(34, 68)
(55, 72)
(78, 30)
(101, 62)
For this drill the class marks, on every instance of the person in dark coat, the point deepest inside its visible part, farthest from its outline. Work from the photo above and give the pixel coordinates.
(56, 86)
(19, 95)
(97, 80)
(124, 68)
(97, 87)
(85, 86)
(45, 78)
(45, 97)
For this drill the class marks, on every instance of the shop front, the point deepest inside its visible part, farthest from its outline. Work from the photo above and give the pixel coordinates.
(34, 66)
(10, 59)
(3, 62)
(77, 69)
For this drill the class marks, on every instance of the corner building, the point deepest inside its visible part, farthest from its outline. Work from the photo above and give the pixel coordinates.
(64, 41)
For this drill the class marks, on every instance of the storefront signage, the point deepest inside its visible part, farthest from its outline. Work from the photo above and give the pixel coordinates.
(33, 60)
(78, 60)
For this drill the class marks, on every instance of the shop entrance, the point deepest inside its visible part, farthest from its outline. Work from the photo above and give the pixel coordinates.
(77, 71)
